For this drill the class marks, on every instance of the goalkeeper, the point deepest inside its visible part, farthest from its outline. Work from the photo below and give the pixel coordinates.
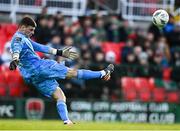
(43, 73)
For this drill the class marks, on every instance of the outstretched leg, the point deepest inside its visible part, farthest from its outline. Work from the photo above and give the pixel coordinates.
(59, 96)
(88, 74)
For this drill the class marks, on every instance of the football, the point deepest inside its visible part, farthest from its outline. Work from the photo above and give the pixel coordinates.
(160, 18)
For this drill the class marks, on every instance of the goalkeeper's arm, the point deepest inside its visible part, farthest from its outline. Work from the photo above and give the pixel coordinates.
(16, 47)
(65, 52)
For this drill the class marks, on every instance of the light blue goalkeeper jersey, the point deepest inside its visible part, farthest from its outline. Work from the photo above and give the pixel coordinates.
(42, 73)
(29, 60)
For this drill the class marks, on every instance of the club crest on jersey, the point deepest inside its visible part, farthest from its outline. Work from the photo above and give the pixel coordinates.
(18, 39)
(34, 108)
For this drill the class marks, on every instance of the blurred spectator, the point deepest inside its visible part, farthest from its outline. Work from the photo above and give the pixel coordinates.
(43, 13)
(143, 58)
(137, 51)
(50, 23)
(128, 48)
(90, 5)
(60, 28)
(105, 93)
(150, 54)
(58, 16)
(156, 67)
(140, 36)
(130, 65)
(6, 56)
(177, 4)
(98, 60)
(54, 43)
(100, 30)
(162, 48)
(115, 30)
(68, 41)
(86, 59)
(148, 46)
(87, 28)
(41, 34)
(110, 57)
(94, 42)
(172, 31)
(177, 58)
(174, 37)
(155, 30)
(157, 59)
(150, 37)
(143, 67)
(148, 42)
(176, 66)
(175, 61)
(77, 33)
(130, 59)
(170, 26)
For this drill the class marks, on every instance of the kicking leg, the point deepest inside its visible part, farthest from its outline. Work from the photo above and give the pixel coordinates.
(88, 74)
(59, 96)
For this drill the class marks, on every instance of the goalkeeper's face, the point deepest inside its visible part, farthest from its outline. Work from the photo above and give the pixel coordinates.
(28, 30)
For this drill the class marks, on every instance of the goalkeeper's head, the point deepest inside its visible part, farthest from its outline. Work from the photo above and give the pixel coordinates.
(27, 26)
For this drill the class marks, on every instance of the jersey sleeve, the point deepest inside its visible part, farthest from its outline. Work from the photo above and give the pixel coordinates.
(40, 47)
(16, 44)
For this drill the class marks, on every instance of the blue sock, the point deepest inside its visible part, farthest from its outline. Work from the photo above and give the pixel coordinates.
(62, 110)
(88, 74)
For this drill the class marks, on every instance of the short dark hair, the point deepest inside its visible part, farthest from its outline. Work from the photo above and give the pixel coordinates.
(27, 21)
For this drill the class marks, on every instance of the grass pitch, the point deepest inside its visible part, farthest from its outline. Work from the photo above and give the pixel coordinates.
(58, 125)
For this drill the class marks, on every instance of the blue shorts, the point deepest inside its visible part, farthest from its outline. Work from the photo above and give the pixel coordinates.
(45, 76)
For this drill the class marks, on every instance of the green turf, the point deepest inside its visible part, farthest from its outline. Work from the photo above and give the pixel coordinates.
(57, 125)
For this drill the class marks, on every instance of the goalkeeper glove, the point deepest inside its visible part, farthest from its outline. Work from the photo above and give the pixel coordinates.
(13, 65)
(65, 52)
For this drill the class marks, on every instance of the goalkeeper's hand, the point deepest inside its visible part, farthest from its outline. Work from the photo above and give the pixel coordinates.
(13, 64)
(65, 52)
